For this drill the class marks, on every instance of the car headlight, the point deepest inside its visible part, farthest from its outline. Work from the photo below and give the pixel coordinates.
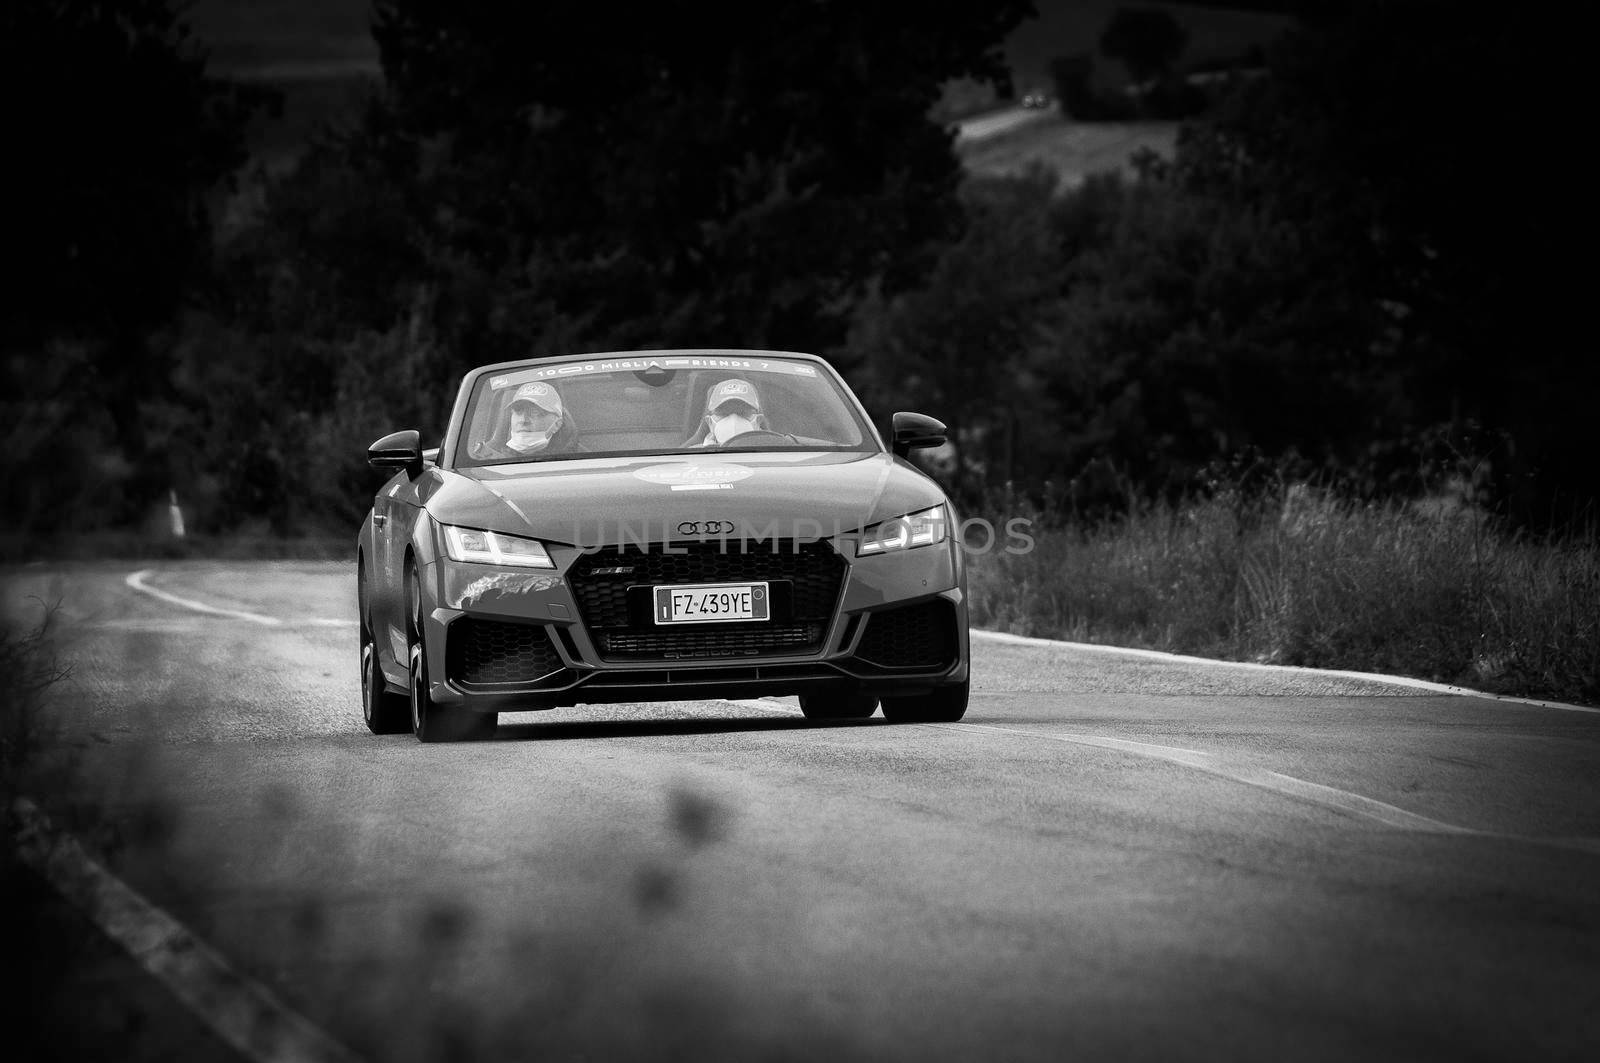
(923, 528)
(494, 548)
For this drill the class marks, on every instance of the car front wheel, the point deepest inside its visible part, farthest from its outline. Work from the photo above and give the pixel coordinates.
(431, 721)
(385, 712)
(945, 704)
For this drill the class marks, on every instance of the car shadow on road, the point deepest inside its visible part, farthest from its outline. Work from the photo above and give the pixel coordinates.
(534, 730)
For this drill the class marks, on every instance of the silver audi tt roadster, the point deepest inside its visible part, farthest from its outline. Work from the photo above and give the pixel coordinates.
(655, 525)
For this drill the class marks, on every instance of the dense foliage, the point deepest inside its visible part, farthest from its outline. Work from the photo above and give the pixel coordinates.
(119, 144)
(1339, 272)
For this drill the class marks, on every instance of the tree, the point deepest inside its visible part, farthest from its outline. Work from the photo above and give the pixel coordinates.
(739, 175)
(961, 346)
(1368, 137)
(1147, 40)
(1194, 329)
(118, 140)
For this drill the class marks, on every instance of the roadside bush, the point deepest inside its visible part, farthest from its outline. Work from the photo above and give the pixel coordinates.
(1301, 577)
(1081, 98)
(278, 425)
(65, 469)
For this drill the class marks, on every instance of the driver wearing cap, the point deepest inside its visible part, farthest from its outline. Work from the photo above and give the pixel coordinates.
(733, 408)
(540, 424)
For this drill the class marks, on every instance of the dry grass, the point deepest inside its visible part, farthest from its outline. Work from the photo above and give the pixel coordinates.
(1318, 582)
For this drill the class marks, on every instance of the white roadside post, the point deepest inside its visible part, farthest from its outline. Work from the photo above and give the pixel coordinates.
(175, 513)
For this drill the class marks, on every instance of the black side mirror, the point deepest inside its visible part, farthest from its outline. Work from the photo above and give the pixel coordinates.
(397, 450)
(913, 431)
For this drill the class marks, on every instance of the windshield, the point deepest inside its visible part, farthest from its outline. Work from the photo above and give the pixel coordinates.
(657, 404)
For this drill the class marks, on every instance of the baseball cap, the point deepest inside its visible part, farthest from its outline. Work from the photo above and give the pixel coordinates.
(541, 395)
(729, 390)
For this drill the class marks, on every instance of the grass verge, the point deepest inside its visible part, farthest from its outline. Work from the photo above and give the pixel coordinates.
(1315, 581)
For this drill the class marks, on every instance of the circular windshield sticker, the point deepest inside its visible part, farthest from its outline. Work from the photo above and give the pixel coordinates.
(682, 472)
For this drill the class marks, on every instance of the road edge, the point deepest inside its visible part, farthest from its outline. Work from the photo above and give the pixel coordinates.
(1293, 669)
(242, 1012)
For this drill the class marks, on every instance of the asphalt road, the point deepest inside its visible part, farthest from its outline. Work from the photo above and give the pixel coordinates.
(1110, 858)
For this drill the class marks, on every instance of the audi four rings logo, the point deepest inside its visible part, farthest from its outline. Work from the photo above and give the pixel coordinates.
(705, 527)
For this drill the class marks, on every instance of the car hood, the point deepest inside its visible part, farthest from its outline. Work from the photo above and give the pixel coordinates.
(593, 501)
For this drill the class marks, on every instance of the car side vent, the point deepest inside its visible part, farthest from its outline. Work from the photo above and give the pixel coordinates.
(912, 636)
(495, 653)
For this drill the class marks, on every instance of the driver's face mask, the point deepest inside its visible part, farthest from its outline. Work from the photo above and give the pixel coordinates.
(731, 419)
(724, 426)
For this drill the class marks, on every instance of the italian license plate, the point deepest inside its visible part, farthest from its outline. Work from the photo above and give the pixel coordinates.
(711, 603)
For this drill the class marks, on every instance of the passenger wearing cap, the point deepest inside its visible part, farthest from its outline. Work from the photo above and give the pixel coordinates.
(733, 408)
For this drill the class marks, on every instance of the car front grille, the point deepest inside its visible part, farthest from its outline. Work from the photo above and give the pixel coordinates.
(492, 652)
(742, 641)
(613, 590)
(912, 636)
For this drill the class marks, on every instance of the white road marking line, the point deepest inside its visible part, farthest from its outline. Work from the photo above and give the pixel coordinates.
(243, 1013)
(1288, 785)
(136, 580)
(1333, 797)
(1316, 793)
(1326, 673)
(1182, 756)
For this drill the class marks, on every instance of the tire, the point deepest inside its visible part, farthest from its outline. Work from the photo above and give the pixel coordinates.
(385, 712)
(845, 705)
(431, 721)
(945, 704)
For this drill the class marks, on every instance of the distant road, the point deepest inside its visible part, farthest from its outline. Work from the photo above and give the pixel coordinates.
(987, 125)
(309, 70)
(1109, 858)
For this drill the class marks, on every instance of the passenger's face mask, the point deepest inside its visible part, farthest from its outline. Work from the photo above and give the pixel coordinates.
(726, 427)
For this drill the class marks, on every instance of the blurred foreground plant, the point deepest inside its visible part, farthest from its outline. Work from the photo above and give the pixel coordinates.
(30, 668)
